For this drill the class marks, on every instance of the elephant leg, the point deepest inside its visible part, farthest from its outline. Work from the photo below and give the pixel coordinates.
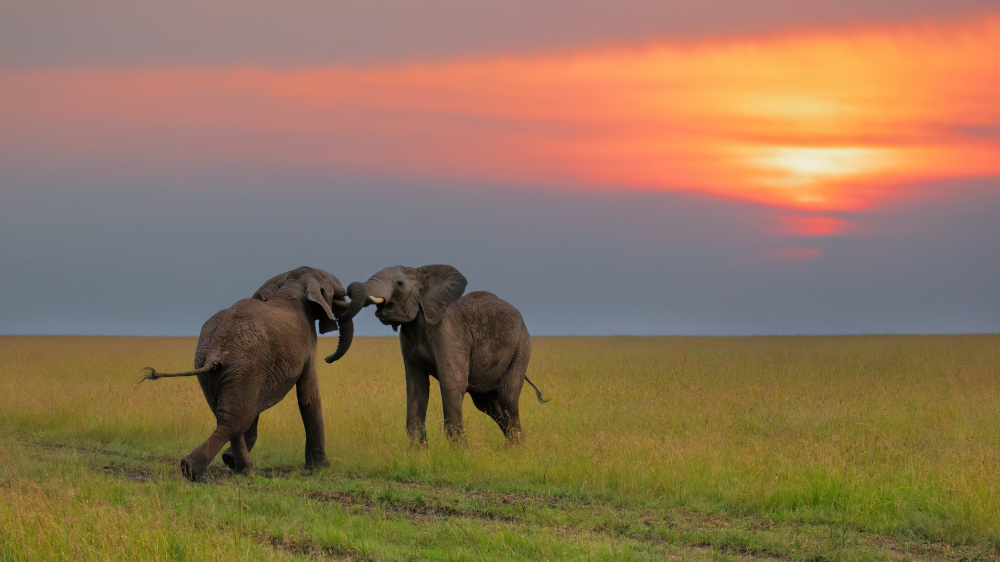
(249, 438)
(483, 401)
(194, 464)
(489, 403)
(509, 397)
(311, 408)
(453, 374)
(451, 399)
(417, 393)
(234, 414)
(508, 418)
(452, 394)
(240, 454)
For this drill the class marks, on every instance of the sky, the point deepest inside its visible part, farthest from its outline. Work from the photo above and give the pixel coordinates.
(634, 167)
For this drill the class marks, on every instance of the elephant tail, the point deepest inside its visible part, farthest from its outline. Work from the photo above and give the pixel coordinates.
(208, 367)
(538, 393)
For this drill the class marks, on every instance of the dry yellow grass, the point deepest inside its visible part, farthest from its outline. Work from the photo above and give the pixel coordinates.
(895, 436)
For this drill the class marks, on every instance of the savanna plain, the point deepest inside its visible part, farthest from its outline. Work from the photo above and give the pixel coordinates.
(797, 448)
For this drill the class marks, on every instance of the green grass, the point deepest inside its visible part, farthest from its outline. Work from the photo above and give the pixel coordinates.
(799, 448)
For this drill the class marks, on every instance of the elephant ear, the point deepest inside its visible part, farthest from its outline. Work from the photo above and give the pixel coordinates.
(314, 292)
(442, 285)
(270, 287)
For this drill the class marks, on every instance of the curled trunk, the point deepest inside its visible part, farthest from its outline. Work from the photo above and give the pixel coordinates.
(344, 341)
(359, 298)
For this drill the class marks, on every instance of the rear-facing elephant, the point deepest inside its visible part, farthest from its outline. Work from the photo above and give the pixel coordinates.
(476, 344)
(250, 355)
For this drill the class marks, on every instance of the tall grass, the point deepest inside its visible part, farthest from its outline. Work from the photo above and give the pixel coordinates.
(892, 435)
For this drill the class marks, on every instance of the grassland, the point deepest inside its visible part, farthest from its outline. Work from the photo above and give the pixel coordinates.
(805, 448)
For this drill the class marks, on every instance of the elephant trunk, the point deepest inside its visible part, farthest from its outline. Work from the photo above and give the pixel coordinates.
(360, 294)
(377, 289)
(359, 298)
(344, 341)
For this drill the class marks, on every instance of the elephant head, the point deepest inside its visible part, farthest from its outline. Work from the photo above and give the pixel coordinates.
(322, 296)
(399, 293)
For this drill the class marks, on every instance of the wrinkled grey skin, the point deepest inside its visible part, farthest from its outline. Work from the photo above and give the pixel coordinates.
(250, 355)
(476, 344)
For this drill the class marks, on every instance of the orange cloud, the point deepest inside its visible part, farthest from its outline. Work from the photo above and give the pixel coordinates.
(818, 121)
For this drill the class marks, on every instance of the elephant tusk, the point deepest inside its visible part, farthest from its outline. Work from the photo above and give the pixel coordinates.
(376, 300)
(340, 303)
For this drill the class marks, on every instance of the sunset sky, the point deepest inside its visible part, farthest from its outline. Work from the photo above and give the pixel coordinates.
(629, 167)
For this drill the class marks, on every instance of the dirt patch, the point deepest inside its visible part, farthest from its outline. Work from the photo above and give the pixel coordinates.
(409, 509)
(751, 552)
(935, 551)
(116, 461)
(125, 472)
(274, 471)
(95, 450)
(559, 501)
(310, 549)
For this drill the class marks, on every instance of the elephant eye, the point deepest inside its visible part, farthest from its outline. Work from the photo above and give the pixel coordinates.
(399, 282)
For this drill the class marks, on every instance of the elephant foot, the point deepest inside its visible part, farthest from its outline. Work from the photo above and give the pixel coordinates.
(514, 438)
(227, 458)
(458, 438)
(230, 460)
(317, 461)
(189, 470)
(512, 443)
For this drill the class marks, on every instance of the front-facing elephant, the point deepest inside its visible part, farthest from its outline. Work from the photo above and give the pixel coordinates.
(250, 355)
(476, 344)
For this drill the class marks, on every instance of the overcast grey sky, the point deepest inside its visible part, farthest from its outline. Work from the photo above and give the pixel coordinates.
(307, 32)
(98, 236)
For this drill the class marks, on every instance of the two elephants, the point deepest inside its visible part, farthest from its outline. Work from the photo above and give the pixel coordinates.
(250, 355)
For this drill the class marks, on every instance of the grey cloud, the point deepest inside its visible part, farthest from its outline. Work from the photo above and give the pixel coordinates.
(312, 32)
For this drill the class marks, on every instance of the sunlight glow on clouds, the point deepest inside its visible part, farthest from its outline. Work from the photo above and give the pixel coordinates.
(817, 121)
